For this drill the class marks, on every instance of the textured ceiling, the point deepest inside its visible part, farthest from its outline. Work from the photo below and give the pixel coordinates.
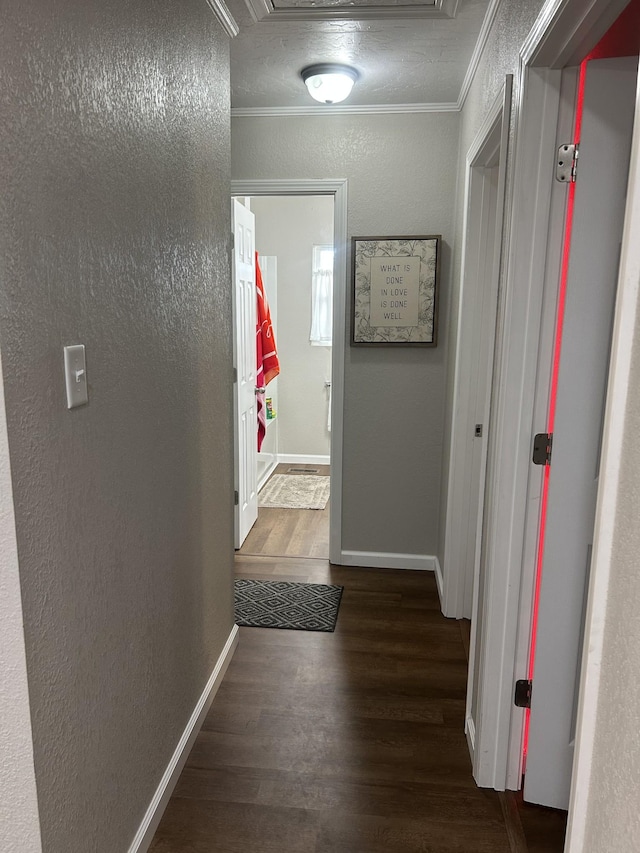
(406, 60)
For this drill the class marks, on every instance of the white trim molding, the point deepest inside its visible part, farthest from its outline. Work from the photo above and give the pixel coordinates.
(527, 214)
(266, 10)
(158, 804)
(470, 732)
(477, 286)
(338, 189)
(267, 473)
(439, 581)
(566, 30)
(483, 35)
(18, 773)
(346, 109)
(224, 16)
(287, 186)
(617, 421)
(385, 560)
(563, 33)
(303, 459)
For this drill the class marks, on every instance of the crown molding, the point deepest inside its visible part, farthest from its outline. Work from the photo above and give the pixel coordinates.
(224, 16)
(373, 109)
(265, 10)
(445, 8)
(483, 35)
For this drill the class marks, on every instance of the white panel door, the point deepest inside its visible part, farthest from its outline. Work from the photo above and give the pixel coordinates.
(600, 192)
(246, 418)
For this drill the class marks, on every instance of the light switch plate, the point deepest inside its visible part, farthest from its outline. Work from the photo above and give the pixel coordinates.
(75, 375)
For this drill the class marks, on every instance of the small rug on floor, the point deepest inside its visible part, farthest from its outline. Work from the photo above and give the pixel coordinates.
(295, 491)
(283, 604)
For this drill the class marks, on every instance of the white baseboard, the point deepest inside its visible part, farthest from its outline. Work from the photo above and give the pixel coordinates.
(439, 581)
(384, 560)
(160, 799)
(303, 459)
(267, 473)
(470, 732)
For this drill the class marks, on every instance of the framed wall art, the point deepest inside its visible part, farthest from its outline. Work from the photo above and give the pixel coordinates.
(394, 291)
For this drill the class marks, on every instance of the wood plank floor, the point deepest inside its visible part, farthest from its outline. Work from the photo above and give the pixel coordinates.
(350, 742)
(290, 532)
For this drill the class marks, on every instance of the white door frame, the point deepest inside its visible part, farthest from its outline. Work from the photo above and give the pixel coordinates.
(19, 813)
(475, 367)
(245, 400)
(564, 32)
(338, 189)
(557, 652)
(624, 327)
(480, 249)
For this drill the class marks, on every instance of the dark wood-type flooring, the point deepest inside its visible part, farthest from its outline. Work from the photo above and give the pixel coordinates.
(350, 742)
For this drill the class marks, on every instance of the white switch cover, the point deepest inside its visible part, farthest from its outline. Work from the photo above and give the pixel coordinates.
(75, 374)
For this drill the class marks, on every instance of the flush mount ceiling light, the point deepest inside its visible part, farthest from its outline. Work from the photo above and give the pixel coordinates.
(329, 82)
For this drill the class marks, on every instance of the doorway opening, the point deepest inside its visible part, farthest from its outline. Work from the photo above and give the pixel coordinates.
(461, 592)
(300, 240)
(577, 393)
(482, 228)
(294, 245)
(486, 175)
(544, 121)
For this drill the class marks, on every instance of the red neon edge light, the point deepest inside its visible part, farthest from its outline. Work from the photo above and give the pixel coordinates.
(621, 40)
(557, 347)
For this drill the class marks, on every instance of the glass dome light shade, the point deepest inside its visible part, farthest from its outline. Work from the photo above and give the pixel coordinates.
(329, 83)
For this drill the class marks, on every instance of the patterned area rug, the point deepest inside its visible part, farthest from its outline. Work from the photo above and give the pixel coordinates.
(282, 604)
(295, 491)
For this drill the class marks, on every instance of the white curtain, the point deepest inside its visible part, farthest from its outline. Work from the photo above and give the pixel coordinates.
(322, 300)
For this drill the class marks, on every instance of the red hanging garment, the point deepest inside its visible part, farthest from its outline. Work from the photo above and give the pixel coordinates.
(267, 355)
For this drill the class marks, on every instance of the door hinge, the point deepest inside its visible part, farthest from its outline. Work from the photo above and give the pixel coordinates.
(542, 443)
(235, 374)
(233, 241)
(236, 498)
(522, 698)
(567, 163)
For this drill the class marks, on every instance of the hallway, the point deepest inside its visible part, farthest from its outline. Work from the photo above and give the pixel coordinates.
(349, 742)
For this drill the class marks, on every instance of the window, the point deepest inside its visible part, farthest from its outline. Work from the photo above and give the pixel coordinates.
(322, 296)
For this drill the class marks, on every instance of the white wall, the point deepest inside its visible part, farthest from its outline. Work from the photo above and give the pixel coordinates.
(19, 822)
(114, 232)
(604, 811)
(613, 821)
(401, 171)
(288, 227)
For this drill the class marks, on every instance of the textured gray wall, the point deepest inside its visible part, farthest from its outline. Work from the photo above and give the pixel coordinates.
(401, 172)
(114, 216)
